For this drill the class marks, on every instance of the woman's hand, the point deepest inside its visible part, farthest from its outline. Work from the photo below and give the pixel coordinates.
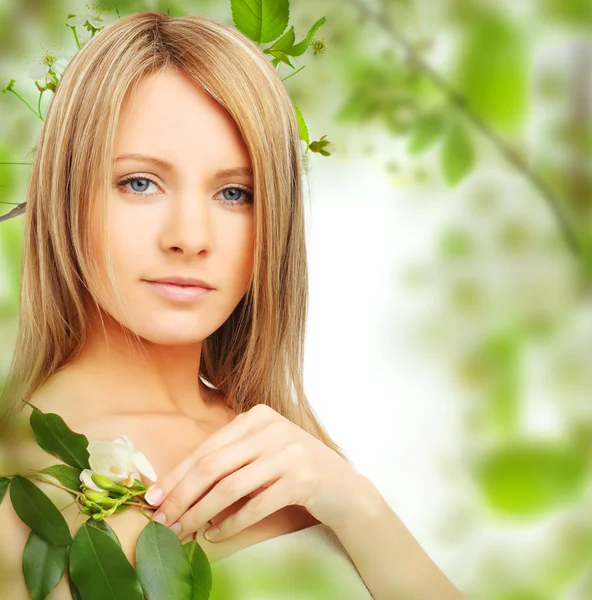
(258, 450)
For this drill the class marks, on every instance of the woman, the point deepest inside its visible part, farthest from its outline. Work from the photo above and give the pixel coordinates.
(170, 152)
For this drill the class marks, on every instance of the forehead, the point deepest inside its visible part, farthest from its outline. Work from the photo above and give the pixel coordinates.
(169, 115)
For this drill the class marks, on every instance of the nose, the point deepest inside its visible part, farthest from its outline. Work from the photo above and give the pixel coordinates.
(187, 226)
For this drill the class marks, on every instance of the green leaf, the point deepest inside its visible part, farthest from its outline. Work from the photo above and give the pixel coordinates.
(427, 130)
(73, 589)
(493, 71)
(532, 478)
(36, 510)
(68, 476)
(104, 527)
(458, 156)
(302, 128)
(100, 569)
(55, 437)
(4, 483)
(201, 570)
(300, 49)
(43, 565)
(284, 42)
(260, 20)
(281, 56)
(162, 565)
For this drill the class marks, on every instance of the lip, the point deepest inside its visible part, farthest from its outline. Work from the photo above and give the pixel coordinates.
(179, 293)
(178, 279)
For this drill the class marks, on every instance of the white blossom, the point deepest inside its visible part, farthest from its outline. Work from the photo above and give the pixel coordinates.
(40, 70)
(118, 461)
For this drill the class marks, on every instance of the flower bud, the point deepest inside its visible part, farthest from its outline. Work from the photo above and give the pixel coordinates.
(138, 486)
(102, 499)
(107, 484)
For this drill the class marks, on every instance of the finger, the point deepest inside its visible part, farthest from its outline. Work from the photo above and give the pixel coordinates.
(262, 505)
(238, 428)
(249, 480)
(204, 474)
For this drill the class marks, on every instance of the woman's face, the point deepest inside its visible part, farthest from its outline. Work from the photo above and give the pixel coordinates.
(185, 219)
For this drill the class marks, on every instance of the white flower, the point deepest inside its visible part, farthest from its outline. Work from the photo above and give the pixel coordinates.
(117, 460)
(94, 17)
(40, 70)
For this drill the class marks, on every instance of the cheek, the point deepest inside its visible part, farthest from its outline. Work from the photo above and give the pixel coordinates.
(241, 258)
(127, 242)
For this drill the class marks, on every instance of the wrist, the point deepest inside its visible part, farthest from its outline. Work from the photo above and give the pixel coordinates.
(367, 507)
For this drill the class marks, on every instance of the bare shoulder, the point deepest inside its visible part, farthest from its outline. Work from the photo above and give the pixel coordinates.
(20, 453)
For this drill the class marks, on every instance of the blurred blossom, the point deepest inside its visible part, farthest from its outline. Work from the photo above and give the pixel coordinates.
(95, 17)
(44, 67)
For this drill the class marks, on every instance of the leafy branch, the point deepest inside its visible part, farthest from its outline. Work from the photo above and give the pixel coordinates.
(459, 101)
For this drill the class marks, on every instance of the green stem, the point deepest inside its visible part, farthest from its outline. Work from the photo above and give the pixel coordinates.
(32, 109)
(75, 36)
(511, 155)
(15, 163)
(39, 105)
(39, 477)
(67, 505)
(292, 75)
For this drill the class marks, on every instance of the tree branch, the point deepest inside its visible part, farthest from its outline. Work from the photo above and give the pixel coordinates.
(511, 155)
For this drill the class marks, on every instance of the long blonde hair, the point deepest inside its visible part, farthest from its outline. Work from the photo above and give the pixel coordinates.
(256, 356)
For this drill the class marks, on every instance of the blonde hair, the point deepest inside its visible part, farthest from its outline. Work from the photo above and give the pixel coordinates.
(256, 356)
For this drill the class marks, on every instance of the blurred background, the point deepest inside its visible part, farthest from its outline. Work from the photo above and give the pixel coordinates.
(450, 252)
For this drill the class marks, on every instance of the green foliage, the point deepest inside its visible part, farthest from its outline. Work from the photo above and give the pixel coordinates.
(97, 565)
(55, 437)
(531, 478)
(68, 476)
(383, 90)
(576, 13)
(426, 132)
(162, 565)
(36, 510)
(493, 71)
(262, 21)
(457, 154)
(200, 569)
(100, 569)
(104, 527)
(43, 565)
(285, 47)
(502, 353)
(302, 126)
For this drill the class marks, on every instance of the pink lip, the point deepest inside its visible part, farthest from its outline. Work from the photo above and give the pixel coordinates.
(179, 293)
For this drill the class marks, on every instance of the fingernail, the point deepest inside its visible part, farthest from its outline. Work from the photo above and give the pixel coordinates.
(153, 495)
(211, 533)
(175, 528)
(160, 517)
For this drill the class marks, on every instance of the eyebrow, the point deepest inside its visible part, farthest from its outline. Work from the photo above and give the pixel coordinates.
(166, 165)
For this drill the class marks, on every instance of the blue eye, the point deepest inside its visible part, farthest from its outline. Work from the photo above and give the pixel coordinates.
(121, 185)
(128, 180)
(244, 192)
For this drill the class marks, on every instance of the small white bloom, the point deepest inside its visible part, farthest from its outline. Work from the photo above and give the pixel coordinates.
(95, 18)
(40, 69)
(117, 460)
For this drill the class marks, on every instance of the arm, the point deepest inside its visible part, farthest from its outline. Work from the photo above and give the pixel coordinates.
(389, 559)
